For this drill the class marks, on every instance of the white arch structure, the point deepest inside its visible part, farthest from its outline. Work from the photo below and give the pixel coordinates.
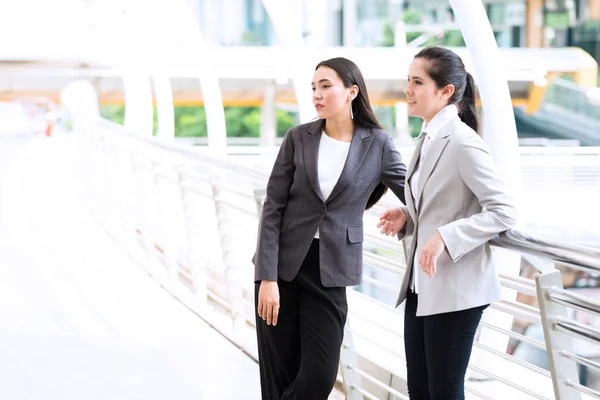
(285, 16)
(152, 34)
(499, 131)
(139, 113)
(184, 23)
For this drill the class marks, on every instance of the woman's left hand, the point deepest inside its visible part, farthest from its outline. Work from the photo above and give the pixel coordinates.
(430, 252)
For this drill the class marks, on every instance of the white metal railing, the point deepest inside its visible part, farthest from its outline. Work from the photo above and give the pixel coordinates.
(190, 220)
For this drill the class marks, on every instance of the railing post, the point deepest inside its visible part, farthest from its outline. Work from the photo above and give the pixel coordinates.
(562, 369)
(349, 359)
(160, 246)
(196, 235)
(231, 262)
(145, 211)
(259, 198)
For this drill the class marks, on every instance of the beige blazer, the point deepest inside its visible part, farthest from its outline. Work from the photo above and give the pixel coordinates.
(462, 196)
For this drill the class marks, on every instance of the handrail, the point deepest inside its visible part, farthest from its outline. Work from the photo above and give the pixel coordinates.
(581, 257)
(198, 181)
(181, 150)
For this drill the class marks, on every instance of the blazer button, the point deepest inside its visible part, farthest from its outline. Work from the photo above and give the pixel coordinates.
(322, 211)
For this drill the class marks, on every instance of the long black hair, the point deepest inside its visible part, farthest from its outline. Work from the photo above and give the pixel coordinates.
(364, 116)
(447, 68)
(350, 75)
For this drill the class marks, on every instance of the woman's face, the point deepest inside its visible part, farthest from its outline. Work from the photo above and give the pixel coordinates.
(425, 99)
(330, 97)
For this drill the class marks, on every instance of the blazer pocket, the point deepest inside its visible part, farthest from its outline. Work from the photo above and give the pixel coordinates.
(285, 222)
(355, 234)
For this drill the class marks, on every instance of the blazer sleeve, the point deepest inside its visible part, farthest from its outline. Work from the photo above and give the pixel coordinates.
(409, 227)
(393, 170)
(280, 181)
(478, 172)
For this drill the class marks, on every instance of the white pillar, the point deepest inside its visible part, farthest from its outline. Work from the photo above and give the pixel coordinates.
(350, 16)
(161, 38)
(403, 136)
(212, 21)
(287, 23)
(209, 82)
(400, 34)
(315, 21)
(139, 113)
(80, 98)
(164, 108)
(499, 131)
(268, 118)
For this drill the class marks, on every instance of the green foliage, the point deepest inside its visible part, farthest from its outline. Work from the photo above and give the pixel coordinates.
(115, 113)
(388, 36)
(285, 121)
(386, 115)
(415, 124)
(452, 38)
(250, 38)
(242, 121)
(412, 16)
(190, 121)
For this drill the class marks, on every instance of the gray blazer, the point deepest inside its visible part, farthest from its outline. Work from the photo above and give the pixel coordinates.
(294, 209)
(462, 197)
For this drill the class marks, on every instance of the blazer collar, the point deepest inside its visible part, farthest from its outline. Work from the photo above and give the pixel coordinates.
(361, 141)
(440, 121)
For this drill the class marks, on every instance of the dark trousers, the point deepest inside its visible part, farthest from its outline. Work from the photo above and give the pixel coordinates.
(299, 357)
(438, 348)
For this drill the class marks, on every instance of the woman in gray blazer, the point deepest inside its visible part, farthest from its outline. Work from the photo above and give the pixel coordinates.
(311, 232)
(455, 203)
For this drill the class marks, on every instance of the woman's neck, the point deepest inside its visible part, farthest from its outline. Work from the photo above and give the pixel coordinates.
(430, 117)
(341, 130)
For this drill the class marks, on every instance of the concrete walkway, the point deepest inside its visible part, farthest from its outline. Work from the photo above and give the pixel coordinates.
(78, 319)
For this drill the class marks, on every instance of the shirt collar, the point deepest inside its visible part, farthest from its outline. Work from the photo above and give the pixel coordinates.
(439, 120)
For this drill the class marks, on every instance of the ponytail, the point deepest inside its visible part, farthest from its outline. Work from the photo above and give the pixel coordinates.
(466, 106)
(446, 68)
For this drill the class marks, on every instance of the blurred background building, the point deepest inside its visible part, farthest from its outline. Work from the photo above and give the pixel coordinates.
(412, 24)
(550, 47)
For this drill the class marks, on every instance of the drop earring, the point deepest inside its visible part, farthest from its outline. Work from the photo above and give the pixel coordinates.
(351, 112)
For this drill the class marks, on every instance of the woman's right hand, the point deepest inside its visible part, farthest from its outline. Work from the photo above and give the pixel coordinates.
(268, 302)
(392, 221)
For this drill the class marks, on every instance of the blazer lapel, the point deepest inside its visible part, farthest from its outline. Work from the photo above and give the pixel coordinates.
(310, 152)
(410, 203)
(361, 141)
(432, 155)
(415, 157)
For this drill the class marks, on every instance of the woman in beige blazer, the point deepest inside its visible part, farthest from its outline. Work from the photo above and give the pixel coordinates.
(455, 203)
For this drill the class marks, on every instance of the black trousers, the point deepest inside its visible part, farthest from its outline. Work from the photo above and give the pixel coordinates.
(299, 357)
(438, 348)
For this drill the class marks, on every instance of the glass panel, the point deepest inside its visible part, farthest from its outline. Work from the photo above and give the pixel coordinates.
(259, 30)
(372, 16)
(581, 102)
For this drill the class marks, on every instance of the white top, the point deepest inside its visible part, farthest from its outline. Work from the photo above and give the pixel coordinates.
(435, 125)
(331, 161)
